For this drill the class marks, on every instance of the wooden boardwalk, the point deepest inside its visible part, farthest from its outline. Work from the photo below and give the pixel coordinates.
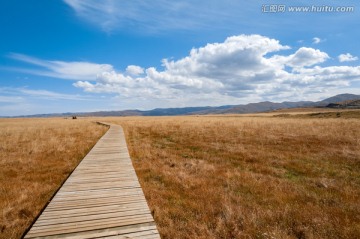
(102, 198)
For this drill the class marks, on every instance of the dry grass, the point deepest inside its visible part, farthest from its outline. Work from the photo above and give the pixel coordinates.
(204, 177)
(238, 177)
(36, 156)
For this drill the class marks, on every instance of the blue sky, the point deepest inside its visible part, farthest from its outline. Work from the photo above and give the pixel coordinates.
(91, 55)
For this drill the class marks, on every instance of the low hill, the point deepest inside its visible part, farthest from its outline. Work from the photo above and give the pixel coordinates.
(338, 98)
(347, 104)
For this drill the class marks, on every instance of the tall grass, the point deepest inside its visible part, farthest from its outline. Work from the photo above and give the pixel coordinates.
(238, 177)
(36, 156)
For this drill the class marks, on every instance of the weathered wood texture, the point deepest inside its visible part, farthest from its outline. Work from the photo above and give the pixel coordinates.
(102, 198)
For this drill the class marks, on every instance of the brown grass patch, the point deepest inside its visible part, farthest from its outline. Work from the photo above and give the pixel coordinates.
(36, 156)
(219, 177)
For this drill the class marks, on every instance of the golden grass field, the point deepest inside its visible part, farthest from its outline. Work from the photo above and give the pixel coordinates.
(212, 176)
(36, 156)
(249, 177)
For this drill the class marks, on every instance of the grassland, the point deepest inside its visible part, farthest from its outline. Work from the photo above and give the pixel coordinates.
(249, 177)
(255, 176)
(36, 156)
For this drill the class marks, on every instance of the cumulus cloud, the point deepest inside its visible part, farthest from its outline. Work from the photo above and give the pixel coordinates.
(347, 57)
(306, 57)
(240, 67)
(60, 69)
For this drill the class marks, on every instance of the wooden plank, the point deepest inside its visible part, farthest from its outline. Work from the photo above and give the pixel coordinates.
(93, 203)
(102, 198)
(93, 210)
(75, 218)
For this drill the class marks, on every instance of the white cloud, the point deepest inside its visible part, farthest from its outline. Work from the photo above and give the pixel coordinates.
(13, 95)
(306, 57)
(242, 66)
(347, 57)
(10, 99)
(50, 95)
(60, 69)
(317, 40)
(134, 70)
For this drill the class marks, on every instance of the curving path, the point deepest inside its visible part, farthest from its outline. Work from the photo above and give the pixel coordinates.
(102, 198)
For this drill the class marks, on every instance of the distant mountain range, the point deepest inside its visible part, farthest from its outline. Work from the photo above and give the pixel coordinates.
(338, 101)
